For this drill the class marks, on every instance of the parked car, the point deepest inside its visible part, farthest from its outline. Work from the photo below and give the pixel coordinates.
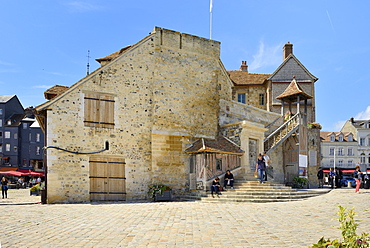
(344, 181)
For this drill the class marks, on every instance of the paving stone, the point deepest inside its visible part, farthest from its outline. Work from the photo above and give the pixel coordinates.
(27, 223)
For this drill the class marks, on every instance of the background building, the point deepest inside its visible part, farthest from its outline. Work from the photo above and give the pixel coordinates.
(21, 138)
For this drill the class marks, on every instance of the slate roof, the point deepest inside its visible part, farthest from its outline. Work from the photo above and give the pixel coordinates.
(218, 145)
(292, 66)
(292, 92)
(359, 123)
(246, 78)
(5, 98)
(325, 136)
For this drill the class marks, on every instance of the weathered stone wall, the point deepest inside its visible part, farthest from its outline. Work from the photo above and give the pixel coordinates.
(252, 95)
(166, 89)
(232, 111)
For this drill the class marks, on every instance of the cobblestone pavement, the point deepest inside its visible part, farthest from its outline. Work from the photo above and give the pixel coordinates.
(26, 223)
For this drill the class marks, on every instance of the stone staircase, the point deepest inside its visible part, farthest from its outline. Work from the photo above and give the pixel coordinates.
(248, 189)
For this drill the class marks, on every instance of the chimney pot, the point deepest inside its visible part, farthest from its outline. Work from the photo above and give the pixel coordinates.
(244, 66)
(287, 50)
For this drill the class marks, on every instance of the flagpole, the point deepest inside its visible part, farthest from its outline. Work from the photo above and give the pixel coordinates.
(210, 19)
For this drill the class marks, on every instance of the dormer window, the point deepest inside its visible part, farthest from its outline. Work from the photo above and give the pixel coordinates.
(340, 138)
(332, 138)
(9, 122)
(350, 138)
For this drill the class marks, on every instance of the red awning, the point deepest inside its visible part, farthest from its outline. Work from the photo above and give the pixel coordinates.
(344, 171)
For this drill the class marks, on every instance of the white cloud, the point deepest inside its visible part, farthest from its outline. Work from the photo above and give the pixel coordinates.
(338, 125)
(6, 63)
(266, 56)
(364, 115)
(80, 6)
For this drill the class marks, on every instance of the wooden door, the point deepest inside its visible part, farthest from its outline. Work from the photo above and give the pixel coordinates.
(107, 178)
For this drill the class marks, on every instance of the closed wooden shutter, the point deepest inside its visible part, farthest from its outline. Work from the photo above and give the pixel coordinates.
(99, 110)
(107, 178)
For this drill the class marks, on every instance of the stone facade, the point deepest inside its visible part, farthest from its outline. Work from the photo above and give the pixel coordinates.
(166, 91)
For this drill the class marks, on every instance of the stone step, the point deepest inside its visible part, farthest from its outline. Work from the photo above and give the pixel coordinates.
(250, 190)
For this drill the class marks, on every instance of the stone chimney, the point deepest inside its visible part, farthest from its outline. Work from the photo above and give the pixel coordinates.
(287, 50)
(244, 66)
(352, 120)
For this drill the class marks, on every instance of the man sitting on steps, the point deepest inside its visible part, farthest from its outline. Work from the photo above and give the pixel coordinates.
(229, 179)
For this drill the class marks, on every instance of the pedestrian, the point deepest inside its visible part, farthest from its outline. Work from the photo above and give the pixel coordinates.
(332, 177)
(320, 177)
(338, 178)
(229, 179)
(215, 187)
(266, 158)
(260, 167)
(4, 187)
(38, 180)
(357, 175)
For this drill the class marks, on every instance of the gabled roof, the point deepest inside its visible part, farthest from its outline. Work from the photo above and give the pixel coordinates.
(218, 145)
(292, 66)
(325, 136)
(245, 78)
(292, 92)
(5, 98)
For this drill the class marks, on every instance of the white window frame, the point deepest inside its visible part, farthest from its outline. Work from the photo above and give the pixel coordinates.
(331, 151)
(38, 137)
(7, 134)
(340, 151)
(350, 151)
(332, 138)
(7, 147)
(362, 142)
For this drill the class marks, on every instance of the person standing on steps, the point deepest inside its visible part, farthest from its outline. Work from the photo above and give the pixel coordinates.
(229, 179)
(260, 167)
(266, 158)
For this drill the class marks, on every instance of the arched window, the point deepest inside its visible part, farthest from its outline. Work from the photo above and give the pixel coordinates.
(362, 158)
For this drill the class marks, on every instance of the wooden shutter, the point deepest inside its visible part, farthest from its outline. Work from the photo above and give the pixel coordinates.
(99, 110)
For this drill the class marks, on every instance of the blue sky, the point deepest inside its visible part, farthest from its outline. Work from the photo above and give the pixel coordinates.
(44, 43)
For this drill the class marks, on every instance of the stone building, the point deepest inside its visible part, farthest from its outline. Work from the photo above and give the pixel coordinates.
(158, 111)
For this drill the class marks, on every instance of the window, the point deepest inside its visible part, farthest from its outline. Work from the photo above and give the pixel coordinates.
(1, 122)
(340, 151)
(37, 137)
(1, 134)
(1, 111)
(350, 138)
(340, 138)
(241, 98)
(362, 141)
(7, 134)
(1, 147)
(362, 158)
(37, 150)
(9, 122)
(331, 163)
(332, 138)
(340, 163)
(350, 163)
(368, 141)
(29, 136)
(7, 147)
(15, 135)
(99, 110)
(262, 99)
(15, 148)
(331, 151)
(25, 125)
(350, 151)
